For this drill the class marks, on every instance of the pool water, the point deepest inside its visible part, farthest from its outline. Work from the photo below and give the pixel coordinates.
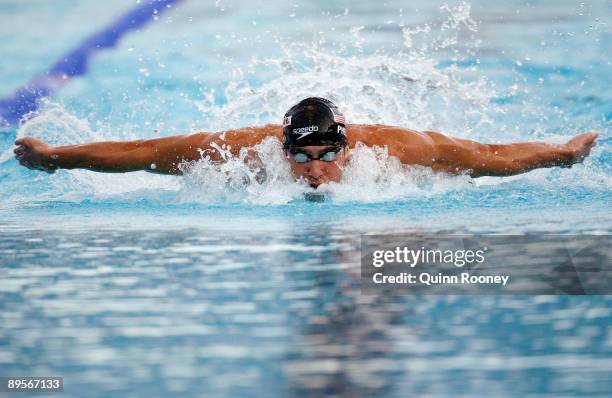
(217, 284)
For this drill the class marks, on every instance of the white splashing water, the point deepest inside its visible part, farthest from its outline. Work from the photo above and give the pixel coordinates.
(370, 176)
(373, 176)
(407, 88)
(266, 180)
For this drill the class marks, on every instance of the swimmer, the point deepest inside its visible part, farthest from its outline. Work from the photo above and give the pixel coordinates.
(317, 143)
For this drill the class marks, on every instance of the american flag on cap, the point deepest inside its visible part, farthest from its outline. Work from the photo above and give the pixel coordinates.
(338, 117)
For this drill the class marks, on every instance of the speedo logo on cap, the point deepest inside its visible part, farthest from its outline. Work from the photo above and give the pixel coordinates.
(304, 131)
(309, 129)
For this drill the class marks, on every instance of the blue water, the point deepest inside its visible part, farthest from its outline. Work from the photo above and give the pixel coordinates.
(203, 285)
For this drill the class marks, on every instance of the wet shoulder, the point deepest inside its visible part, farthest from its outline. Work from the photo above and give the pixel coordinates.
(381, 135)
(248, 136)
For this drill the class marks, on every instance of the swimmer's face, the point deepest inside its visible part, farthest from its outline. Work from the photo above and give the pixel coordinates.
(317, 171)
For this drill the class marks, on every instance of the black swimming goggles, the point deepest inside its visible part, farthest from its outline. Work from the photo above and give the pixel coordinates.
(303, 157)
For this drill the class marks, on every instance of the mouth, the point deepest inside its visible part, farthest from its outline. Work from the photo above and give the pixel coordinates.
(314, 183)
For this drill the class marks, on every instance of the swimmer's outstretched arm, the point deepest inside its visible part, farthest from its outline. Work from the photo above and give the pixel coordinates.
(457, 155)
(160, 155)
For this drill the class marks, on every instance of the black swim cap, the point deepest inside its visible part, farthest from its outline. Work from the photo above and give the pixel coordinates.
(314, 121)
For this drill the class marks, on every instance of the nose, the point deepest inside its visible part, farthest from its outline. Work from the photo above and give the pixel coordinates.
(315, 168)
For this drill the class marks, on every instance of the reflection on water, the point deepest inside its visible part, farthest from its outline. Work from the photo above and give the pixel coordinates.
(191, 312)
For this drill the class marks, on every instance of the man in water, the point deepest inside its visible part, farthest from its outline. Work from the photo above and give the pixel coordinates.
(317, 143)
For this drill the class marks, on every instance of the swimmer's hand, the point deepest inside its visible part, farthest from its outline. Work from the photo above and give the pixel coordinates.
(34, 154)
(578, 148)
